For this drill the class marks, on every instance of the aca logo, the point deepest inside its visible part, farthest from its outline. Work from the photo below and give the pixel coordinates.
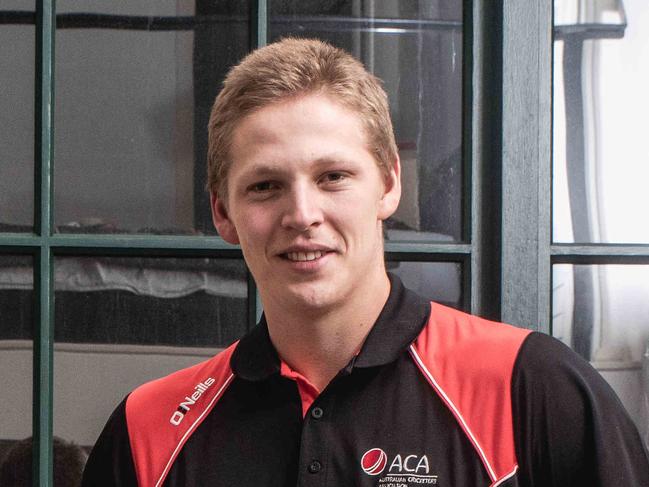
(374, 461)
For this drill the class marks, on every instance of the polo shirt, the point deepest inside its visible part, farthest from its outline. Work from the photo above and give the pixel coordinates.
(434, 397)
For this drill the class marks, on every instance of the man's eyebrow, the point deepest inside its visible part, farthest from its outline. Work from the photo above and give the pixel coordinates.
(265, 169)
(277, 168)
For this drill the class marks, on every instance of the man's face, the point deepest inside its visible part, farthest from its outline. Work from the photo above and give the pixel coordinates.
(306, 200)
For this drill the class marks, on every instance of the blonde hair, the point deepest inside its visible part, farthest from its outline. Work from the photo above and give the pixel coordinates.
(289, 68)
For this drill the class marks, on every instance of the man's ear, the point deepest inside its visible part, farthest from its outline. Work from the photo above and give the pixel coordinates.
(390, 199)
(222, 221)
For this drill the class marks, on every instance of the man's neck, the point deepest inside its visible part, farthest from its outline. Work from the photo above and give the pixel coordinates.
(319, 343)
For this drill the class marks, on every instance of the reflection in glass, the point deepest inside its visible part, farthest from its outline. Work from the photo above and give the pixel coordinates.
(135, 83)
(17, 467)
(589, 14)
(16, 118)
(150, 301)
(600, 165)
(16, 325)
(610, 322)
(436, 281)
(602, 312)
(416, 49)
(121, 322)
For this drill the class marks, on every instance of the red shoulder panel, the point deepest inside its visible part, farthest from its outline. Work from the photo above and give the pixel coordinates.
(469, 362)
(161, 415)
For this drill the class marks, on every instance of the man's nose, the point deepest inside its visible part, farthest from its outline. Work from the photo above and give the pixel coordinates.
(303, 209)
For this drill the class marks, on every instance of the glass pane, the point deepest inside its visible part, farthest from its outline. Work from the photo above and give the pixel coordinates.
(416, 49)
(123, 321)
(602, 312)
(17, 116)
(150, 301)
(135, 83)
(600, 165)
(437, 281)
(16, 340)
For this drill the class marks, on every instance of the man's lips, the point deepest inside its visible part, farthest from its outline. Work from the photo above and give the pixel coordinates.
(304, 254)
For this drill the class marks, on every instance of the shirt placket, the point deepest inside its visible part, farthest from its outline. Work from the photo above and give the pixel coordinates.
(315, 447)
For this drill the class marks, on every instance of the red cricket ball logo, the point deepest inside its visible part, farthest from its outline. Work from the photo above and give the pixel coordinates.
(374, 461)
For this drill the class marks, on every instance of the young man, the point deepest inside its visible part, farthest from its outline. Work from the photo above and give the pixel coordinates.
(351, 379)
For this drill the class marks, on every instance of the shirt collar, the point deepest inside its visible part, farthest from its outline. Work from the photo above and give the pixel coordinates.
(399, 323)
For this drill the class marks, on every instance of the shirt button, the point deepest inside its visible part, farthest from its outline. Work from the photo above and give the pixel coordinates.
(315, 466)
(317, 413)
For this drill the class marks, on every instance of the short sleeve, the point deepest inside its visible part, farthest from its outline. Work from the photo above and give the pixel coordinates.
(570, 428)
(110, 462)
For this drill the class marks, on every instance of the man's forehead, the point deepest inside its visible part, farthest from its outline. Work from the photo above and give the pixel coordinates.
(297, 125)
(301, 104)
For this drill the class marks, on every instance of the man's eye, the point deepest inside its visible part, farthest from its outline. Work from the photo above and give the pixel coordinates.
(262, 187)
(333, 177)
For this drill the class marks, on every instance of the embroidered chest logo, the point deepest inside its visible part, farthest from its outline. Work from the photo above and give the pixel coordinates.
(374, 461)
(187, 403)
(403, 470)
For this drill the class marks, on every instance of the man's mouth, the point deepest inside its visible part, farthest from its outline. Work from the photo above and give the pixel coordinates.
(304, 256)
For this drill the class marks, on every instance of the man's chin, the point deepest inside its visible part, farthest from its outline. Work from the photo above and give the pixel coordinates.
(310, 296)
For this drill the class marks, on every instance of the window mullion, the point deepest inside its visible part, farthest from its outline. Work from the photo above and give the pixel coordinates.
(484, 102)
(258, 38)
(259, 27)
(43, 346)
(526, 162)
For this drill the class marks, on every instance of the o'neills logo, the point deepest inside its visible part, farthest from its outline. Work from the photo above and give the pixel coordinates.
(189, 401)
(374, 461)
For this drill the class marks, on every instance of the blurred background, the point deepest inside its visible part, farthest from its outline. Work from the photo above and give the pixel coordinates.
(521, 131)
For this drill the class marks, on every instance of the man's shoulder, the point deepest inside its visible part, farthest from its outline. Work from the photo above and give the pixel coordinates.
(452, 331)
(191, 381)
(469, 362)
(162, 414)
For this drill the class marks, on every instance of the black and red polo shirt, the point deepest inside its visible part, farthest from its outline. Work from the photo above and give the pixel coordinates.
(434, 397)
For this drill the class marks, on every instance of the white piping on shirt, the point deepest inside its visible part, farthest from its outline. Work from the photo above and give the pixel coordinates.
(191, 429)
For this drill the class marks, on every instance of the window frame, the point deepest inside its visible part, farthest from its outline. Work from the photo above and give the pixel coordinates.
(526, 163)
(502, 92)
(528, 250)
